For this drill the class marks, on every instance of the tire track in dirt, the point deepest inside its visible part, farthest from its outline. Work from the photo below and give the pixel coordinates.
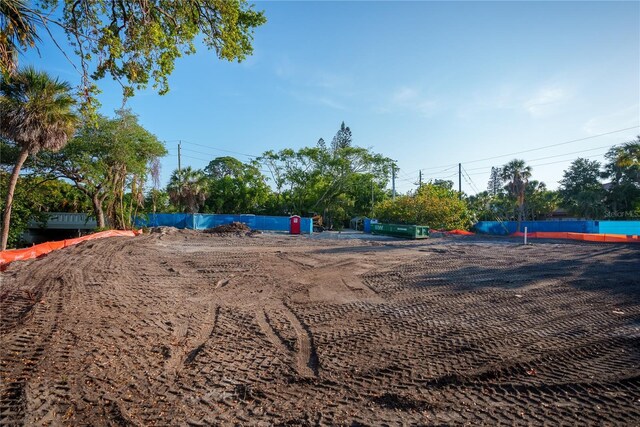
(24, 352)
(31, 324)
(307, 362)
(303, 353)
(270, 331)
(210, 330)
(54, 402)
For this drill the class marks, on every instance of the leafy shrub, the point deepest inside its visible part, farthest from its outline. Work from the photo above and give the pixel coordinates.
(432, 205)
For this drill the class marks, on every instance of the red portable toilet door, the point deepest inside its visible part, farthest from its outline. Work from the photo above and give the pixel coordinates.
(294, 224)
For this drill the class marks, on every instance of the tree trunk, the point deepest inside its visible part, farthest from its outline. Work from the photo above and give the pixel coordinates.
(97, 210)
(6, 219)
(520, 212)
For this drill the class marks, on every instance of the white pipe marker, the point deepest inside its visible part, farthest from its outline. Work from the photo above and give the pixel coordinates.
(525, 235)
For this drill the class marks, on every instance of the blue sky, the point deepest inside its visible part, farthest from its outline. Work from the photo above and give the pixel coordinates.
(428, 84)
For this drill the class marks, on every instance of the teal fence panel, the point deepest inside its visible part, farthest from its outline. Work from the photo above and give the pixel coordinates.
(592, 227)
(620, 227)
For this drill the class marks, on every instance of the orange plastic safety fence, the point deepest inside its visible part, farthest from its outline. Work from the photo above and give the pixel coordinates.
(36, 251)
(461, 232)
(455, 232)
(587, 237)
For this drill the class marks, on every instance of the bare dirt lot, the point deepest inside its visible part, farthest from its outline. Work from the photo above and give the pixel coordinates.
(188, 328)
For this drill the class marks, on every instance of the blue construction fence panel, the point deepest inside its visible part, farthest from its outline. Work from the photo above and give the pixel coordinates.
(177, 220)
(205, 221)
(495, 227)
(620, 227)
(584, 226)
(367, 224)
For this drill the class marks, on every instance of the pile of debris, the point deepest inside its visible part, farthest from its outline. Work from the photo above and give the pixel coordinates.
(234, 227)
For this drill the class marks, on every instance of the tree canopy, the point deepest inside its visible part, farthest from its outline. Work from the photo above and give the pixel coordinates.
(104, 160)
(434, 205)
(581, 189)
(133, 41)
(338, 182)
(234, 187)
(188, 189)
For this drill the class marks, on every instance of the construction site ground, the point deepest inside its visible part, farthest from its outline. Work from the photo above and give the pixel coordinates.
(192, 328)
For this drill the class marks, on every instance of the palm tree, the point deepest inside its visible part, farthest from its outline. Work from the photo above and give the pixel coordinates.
(188, 188)
(17, 32)
(628, 159)
(37, 114)
(623, 169)
(516, 174)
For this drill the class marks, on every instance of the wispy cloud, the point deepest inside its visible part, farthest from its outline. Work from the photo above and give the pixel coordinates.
(327, 80)
(404, 95)
(622, 118)
(538, 100)
(410, 99)
(546, 100)
(316, 87)
(329, 103)
(322, 100)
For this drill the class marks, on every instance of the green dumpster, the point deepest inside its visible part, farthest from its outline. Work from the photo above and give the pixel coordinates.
(399, 230)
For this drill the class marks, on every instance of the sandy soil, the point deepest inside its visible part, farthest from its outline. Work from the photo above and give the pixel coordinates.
(188, 328)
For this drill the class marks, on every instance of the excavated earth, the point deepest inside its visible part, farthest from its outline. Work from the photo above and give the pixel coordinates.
(190, 328)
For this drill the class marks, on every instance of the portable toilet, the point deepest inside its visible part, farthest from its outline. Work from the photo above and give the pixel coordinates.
(294, 224)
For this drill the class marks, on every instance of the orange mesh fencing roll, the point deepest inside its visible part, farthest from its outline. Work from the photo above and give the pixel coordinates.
(36, 251)
(461, 232)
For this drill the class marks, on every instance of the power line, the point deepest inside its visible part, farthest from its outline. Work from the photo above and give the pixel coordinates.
(552, 163)
(452, 165)
(554, 145)
(216, 149)
(554, 156)
(472, 184)
(198, 158)
(192, 157)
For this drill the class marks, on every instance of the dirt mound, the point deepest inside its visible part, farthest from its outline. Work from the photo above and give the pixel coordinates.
(163, 230)
(234, 227)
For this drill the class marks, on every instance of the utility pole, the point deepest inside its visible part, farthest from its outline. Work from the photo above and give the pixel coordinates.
(372, 198)
(393, 181)
(460, 180)
(420, 178)
(179, 146)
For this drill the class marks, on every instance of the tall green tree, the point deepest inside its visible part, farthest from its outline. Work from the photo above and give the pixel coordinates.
(187, 188)
(516, 174)
(37, 114)
(495, 184)
(234, 187)
(581, 190)
(342, 139)
(106, 159)
(137, 42)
